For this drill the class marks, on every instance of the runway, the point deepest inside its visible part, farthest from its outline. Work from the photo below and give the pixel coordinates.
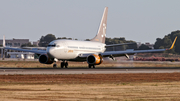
(110, 70)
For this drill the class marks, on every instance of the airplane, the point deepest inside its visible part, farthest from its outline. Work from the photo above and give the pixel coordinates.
(92, 51)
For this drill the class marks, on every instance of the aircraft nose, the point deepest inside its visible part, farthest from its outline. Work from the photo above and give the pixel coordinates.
(50, 52)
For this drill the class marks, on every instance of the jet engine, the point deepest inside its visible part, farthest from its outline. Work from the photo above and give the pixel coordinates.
(94, 59)
(45, 59)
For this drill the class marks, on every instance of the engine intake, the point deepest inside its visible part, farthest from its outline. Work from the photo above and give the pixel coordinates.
(45, 59)
(94, 59)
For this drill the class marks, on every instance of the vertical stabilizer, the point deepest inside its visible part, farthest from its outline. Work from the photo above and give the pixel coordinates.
(4, 43)
(101, 35)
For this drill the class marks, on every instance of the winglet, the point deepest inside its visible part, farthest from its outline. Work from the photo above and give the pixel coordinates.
(4, 43)
(172, 44)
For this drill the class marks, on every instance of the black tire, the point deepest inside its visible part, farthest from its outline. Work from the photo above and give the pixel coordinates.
(54, 66)
(89, 66)
(66, 64)
(62, 64)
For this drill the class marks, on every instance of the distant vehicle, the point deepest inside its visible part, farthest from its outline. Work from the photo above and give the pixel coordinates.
(92, 51)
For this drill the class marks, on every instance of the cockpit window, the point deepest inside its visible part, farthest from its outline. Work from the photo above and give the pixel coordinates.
(53, 45)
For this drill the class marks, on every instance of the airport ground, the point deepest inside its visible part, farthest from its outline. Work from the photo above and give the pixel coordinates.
(15, 63)
(90, 87)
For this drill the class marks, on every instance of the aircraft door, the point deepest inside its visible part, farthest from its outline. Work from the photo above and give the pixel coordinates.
(65, 47)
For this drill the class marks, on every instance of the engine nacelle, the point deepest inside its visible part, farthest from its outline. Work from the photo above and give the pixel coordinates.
(45, 59)
(94, 59)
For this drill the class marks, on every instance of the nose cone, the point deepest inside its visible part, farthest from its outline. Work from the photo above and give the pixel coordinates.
(51, 52)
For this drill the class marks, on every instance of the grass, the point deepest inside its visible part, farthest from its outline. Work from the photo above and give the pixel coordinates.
(118, 87)
(99, 92)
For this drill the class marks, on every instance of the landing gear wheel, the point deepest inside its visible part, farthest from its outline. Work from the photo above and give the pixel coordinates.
(66, 64)
(89, 66)
(54, 66)
(92, 66)
(62, 64)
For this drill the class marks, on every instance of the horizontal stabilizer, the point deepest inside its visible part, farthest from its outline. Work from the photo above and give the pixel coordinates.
(26, 50)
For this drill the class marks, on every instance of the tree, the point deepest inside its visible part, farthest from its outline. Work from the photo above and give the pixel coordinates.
(158, 43)
(64, 38)
(144, 47)
(45, 40)
(119, 41)
(87, 40)
(167, 41)
(28, 45)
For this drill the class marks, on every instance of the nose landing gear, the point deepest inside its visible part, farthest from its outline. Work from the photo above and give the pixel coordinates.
(54, 65)
(63, 64)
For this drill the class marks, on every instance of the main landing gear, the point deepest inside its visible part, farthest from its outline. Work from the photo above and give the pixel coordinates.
(64, 64)
(91, 66)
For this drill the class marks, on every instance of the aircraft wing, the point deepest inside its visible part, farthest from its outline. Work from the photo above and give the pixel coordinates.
(128, 52)
(42, 48)
(24, 50)
(131, 52)
(125, 53)
(121, 53)
(112, 45)
(27, 50)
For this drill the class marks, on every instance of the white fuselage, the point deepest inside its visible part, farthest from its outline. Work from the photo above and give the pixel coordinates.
(70, 49)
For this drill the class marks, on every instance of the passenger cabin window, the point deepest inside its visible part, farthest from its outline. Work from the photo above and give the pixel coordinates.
(73, 47)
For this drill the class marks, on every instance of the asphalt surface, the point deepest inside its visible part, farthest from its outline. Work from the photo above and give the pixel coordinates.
(110, 70)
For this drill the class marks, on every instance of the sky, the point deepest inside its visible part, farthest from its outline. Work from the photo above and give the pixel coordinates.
(137, 20)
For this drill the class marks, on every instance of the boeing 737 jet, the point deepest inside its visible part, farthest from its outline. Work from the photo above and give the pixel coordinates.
(92, 51)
